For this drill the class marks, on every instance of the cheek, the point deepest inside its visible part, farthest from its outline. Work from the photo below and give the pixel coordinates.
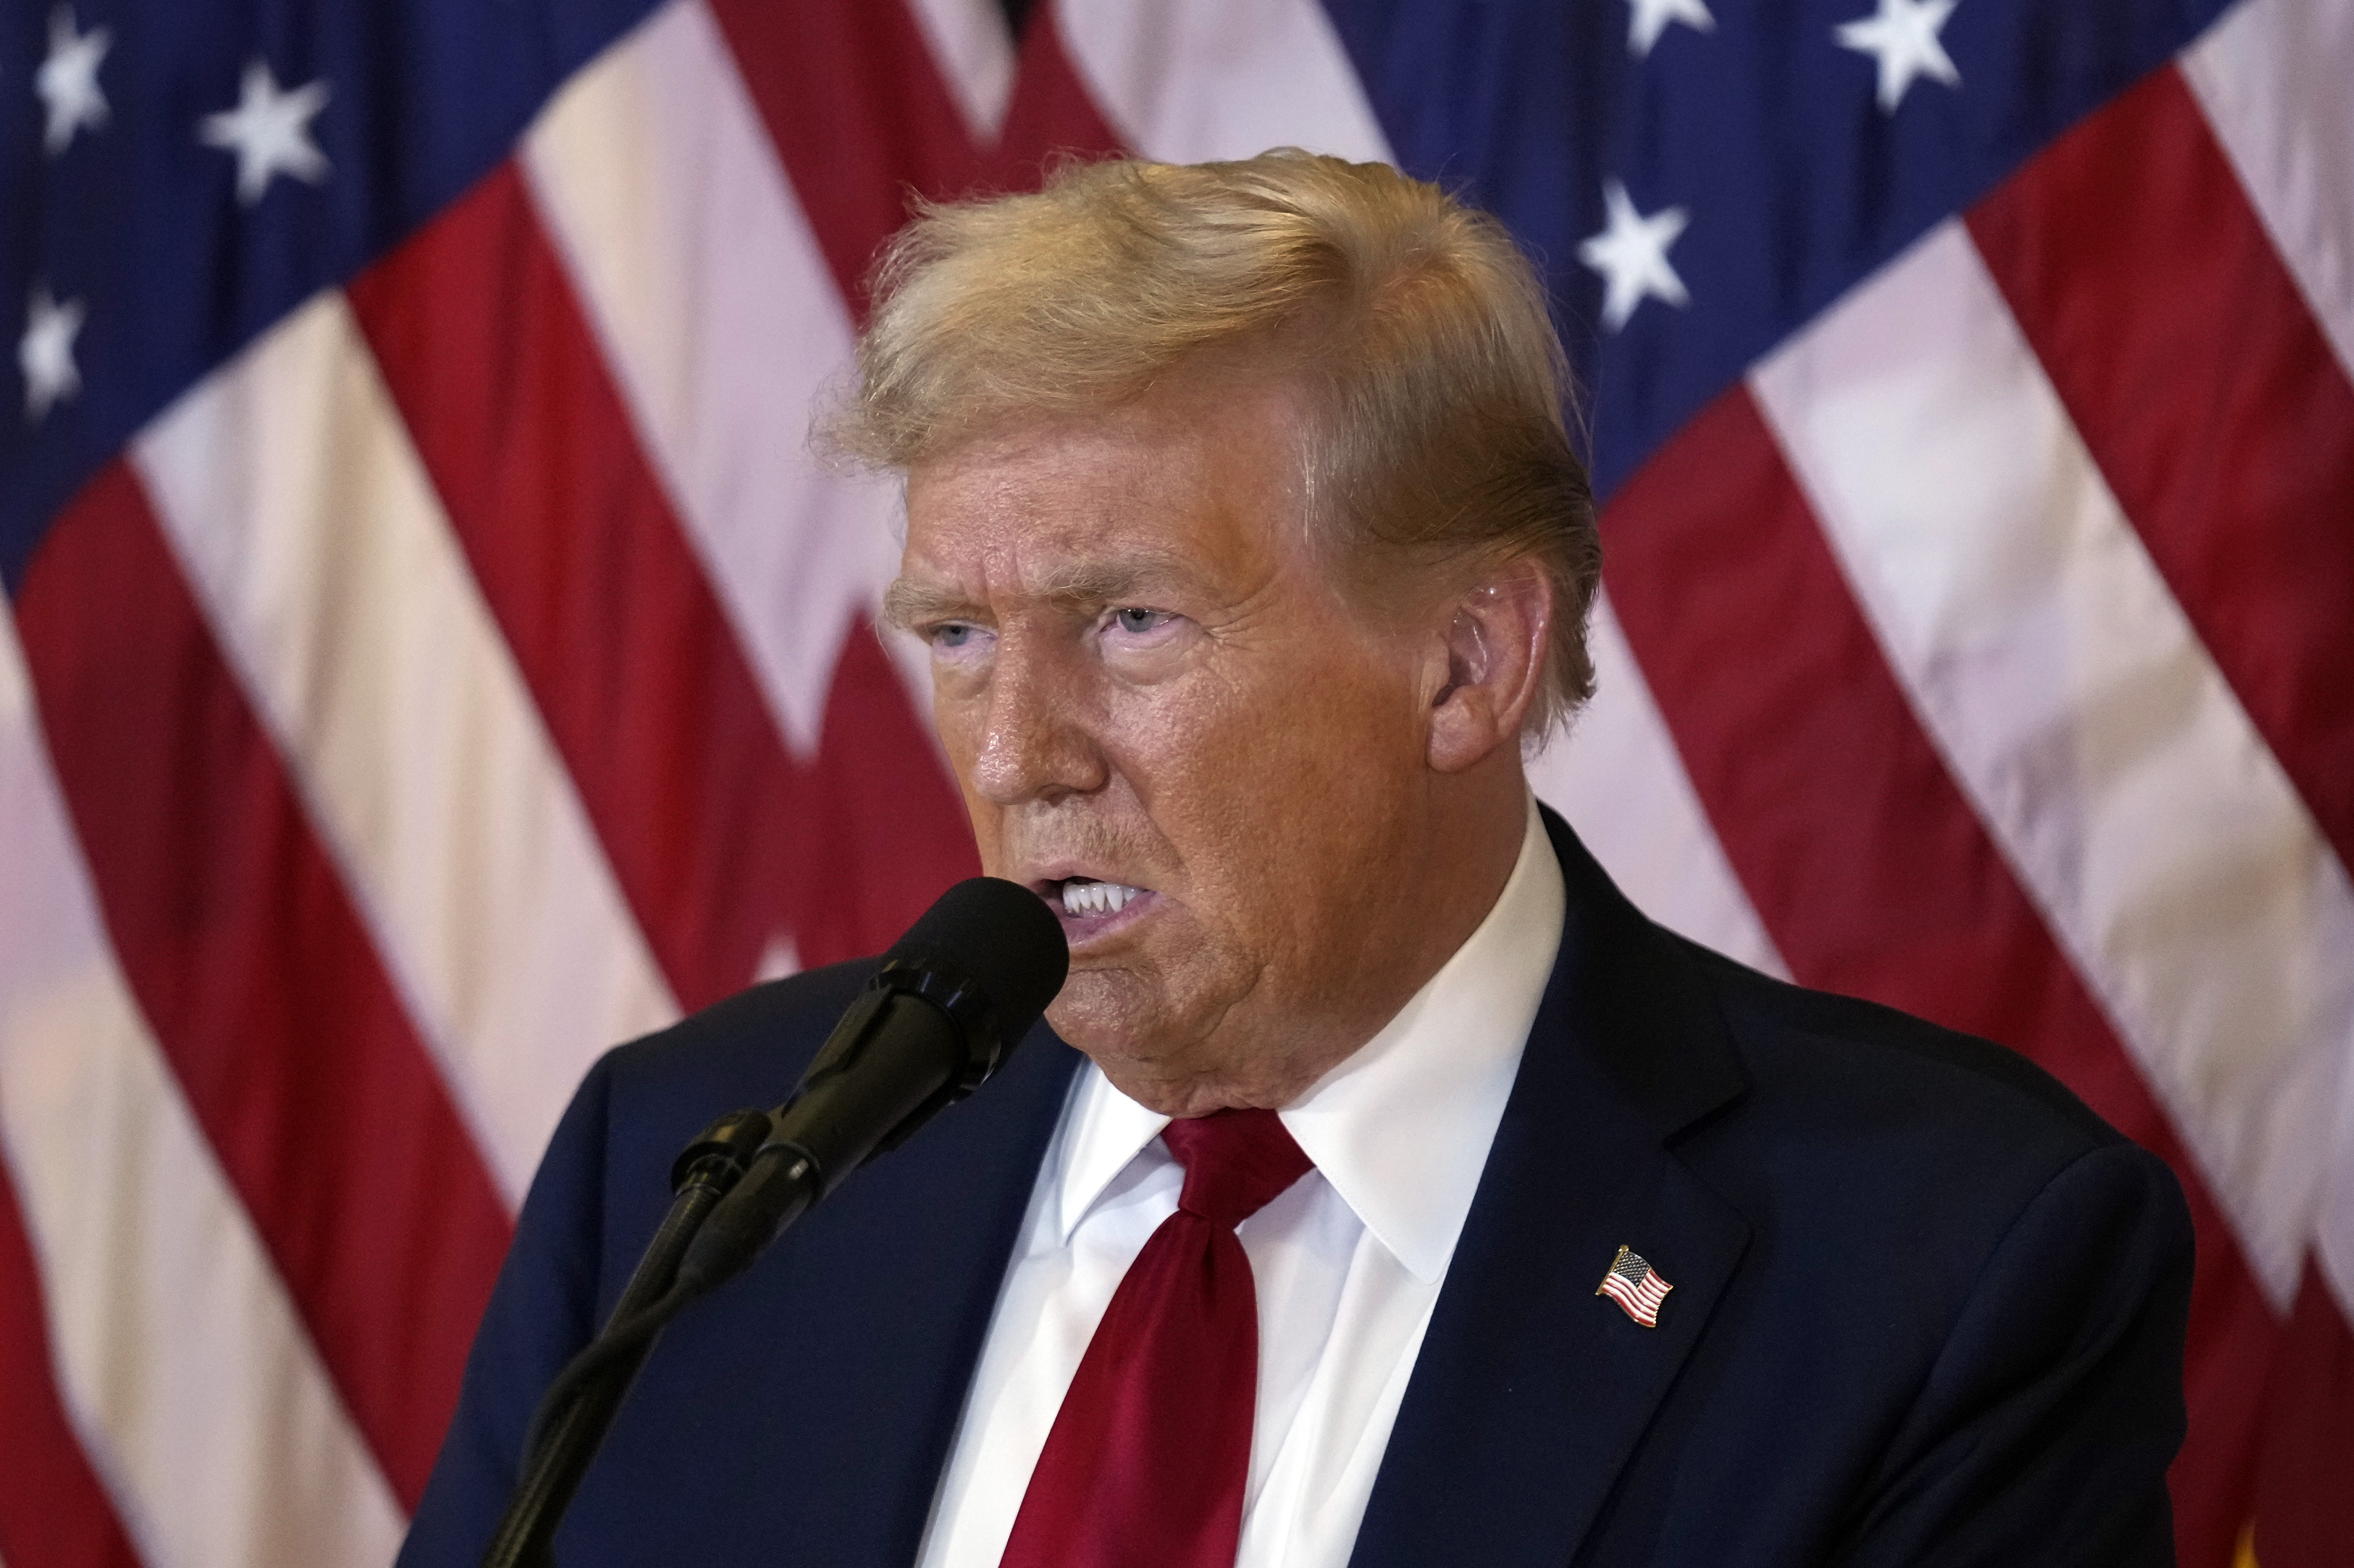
(1331, 734)
(1257, 786)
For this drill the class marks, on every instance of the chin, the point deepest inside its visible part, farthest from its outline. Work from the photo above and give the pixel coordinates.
(1114, 1017)
(1158, 1055)
(1092, 1017)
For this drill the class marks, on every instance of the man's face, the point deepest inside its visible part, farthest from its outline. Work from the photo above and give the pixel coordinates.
(1166, 718)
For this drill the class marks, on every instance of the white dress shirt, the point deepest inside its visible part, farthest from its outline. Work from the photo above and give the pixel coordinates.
(1347, 1263)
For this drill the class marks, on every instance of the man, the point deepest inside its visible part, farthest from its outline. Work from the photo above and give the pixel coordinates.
(1409, 1198)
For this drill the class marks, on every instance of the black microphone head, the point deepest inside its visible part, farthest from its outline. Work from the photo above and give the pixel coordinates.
(999, 936)
(946, 1007)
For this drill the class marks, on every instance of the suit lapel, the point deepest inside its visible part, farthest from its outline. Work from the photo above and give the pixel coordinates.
(1531, 1390)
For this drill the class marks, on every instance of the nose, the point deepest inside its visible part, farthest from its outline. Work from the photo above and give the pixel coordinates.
(1035, 743)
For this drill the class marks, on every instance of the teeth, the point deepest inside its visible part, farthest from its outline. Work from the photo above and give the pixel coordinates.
(1097, 897)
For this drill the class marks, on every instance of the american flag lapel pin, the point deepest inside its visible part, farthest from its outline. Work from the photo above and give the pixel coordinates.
(1635, 1286)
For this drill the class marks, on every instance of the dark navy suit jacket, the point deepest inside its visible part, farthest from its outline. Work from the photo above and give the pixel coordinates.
(1927, 1308)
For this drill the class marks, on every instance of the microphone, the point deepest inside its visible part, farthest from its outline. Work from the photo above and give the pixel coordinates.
(949, 1004)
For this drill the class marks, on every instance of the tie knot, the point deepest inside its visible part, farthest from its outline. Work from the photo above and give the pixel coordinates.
(1235, 1162)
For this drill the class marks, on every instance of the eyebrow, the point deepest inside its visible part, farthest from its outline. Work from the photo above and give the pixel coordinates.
(909, 602)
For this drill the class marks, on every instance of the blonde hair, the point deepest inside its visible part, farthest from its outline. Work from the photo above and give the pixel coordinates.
(1435, 382)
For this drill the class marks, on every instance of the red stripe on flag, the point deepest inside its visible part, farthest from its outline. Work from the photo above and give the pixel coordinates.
(2304, 1518)
(258, 977)
(612, 621)
(2205, 390)
(1869, 868)
(1052, 110)
(52, 1507)
(895, 834)
(860, 115)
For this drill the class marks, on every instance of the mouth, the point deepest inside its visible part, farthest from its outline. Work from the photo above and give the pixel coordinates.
(1091, 908)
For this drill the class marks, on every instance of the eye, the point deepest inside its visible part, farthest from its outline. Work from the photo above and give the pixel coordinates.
(1137, 622)
(951, 635)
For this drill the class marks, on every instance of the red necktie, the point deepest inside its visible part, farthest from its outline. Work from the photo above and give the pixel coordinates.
(1151, 1452)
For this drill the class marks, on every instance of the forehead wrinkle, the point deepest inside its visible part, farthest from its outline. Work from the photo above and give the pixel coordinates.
(1125, 575)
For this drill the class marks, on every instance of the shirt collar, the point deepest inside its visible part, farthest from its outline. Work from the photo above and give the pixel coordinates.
(1401, 1128)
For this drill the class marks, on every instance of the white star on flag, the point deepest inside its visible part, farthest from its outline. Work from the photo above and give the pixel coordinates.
(1903, 34)
(45, 353)
(270, 132)
(1631, 254)
(1653, 18)
(67, 79)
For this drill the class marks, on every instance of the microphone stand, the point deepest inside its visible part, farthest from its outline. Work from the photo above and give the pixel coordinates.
(579, 1405)
(924, 1034)
(898, 1054)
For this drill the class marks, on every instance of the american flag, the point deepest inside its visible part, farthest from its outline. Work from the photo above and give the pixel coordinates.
(431, 653)
(1635, 1284)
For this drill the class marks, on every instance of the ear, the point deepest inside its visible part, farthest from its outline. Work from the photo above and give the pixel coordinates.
(1496, 644)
